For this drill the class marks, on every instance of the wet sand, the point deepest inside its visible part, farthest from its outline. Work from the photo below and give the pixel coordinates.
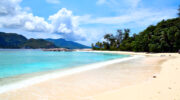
(93, 84)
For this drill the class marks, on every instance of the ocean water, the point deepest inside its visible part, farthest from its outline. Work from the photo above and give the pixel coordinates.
(20, 62)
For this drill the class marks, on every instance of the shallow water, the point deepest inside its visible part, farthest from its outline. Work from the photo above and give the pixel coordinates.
(86, 84)
(20, 62)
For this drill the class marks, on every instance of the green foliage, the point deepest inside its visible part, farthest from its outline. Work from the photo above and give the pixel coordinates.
(164, 37)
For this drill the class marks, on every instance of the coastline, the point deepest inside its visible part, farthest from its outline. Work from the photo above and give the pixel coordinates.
(129, 52)
(145, 76)
(60, 73)
(164, 87)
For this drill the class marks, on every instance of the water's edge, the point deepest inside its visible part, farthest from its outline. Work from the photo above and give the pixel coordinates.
(41, 78)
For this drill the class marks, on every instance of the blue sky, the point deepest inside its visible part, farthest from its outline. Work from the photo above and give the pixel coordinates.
(84, 21)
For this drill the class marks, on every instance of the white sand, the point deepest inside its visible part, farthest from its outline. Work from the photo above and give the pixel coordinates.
(165, 87)
(129, 80)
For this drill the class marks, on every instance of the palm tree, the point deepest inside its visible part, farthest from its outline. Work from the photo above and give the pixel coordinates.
(126, 33)
(119, 36)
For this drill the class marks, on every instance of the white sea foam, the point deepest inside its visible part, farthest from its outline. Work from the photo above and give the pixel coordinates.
(46, 77)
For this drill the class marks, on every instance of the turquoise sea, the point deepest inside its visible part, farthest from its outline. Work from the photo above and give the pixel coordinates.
(18, 62)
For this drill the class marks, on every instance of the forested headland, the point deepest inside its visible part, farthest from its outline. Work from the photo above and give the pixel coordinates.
(163, 37)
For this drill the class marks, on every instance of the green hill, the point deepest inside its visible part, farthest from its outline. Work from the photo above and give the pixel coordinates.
(13, 40)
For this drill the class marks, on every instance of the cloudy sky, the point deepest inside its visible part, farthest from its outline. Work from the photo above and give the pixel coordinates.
(84, 21)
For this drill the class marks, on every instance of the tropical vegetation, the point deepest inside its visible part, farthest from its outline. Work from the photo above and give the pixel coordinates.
(163, 37)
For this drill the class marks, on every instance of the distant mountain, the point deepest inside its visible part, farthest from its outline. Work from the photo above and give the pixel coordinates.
(67, 44)
(38, 43)
(13, 40)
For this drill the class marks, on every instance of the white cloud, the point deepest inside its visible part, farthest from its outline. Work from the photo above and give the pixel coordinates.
(13, 16)
(99, 2)
(63, 22)
(119, 3)
(92, 35)
(137, 19)
(133, 3)
(147, 16)
(53, 1)
(63, 29)
(25, 21)
(29, 26)
(66, 25)
(9, 7)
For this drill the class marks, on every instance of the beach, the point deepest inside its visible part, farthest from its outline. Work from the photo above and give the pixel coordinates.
(147, 77)
(165, 87)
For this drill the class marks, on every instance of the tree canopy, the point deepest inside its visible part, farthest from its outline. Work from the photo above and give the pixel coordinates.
(163, 37)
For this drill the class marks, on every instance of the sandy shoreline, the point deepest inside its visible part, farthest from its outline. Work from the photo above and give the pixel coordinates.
(165, 87)
(112, 82)
(60, 73)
